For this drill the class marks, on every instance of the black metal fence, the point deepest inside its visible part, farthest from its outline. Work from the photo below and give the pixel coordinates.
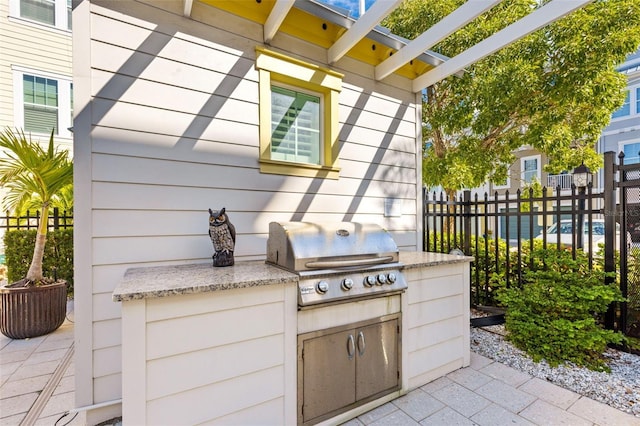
(57, 220)
(629, 192)
(501, 231)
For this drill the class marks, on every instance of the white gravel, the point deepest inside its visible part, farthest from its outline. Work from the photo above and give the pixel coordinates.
(619, 389)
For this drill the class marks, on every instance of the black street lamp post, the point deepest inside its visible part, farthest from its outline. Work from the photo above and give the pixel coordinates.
(581, 179)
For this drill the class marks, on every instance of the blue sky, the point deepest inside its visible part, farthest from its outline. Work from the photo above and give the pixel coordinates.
(352, 5)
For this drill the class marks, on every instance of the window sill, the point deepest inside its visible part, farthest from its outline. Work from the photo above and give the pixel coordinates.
(298, 169)
(623, 117)
(44, 137)
(40, 25)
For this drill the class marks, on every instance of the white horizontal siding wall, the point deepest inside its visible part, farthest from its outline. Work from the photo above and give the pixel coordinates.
(436, 322)
(169, 128)
(220, 357)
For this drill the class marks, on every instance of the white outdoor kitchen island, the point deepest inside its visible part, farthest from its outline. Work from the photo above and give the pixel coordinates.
(220, 345)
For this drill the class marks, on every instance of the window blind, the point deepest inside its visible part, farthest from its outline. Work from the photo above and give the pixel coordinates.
(40, 120)
(295, 126)
(39, 10)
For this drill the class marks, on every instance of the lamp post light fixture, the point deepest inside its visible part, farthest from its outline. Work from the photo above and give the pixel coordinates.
(581, 179)
(582, 176)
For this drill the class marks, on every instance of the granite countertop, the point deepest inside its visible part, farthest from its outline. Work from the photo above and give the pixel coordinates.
(163, 281)
(421, 259)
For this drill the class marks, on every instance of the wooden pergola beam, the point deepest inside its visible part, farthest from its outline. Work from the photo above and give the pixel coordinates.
(278, 13)
(438, 32)
(534, 21)
(361, 28)
(187, 7)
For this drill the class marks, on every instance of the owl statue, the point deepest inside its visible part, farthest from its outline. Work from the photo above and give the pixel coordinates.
(223, 237)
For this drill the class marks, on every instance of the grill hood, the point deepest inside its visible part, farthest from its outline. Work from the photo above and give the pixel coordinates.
(307, 246)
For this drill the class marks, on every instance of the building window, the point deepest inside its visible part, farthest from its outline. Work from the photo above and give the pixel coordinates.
(295, 126)
(625, 109)
(42, 103)
(631, 106)
(55, 13)
(631, 152)
(298, 116)
(530, 167)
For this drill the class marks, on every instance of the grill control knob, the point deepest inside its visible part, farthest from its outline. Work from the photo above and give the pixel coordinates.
(322, 287)
(382, 279)
(370, 281)
(347, 284)
(391, 278)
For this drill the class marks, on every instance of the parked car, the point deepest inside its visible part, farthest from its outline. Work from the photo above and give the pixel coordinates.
(632, 213)
(634, 229)
(566, 234)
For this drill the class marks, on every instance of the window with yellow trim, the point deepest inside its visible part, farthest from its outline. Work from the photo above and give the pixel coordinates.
(295, 126)
(298, 116)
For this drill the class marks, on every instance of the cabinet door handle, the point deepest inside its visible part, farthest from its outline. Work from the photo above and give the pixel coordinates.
(361, 343)
(351, 347)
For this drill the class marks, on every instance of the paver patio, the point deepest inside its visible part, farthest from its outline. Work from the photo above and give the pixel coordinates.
(37, 388)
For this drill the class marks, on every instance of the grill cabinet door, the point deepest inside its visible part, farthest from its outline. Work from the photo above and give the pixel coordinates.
(377, 358)
(329, 373)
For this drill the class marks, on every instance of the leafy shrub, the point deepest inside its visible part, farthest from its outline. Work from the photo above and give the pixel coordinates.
(633, 278)
(490, 259)
(553, 315)
(484, 267)
(58, 254)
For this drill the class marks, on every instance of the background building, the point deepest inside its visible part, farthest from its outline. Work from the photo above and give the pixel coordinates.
(36, 85)
(623, 133)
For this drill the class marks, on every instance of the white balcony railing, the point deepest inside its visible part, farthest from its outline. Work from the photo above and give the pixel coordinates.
(564, 181)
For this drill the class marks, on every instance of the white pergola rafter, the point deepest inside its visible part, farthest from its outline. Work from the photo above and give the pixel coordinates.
(187, 7)
(361, 28)
(277, 15)
(534, 21)
(438, 32)
(366, 27)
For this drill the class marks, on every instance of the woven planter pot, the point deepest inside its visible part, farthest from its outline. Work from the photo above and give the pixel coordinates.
(32, 311)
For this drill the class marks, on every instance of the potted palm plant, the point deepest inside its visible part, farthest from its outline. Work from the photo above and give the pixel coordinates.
(34, 305)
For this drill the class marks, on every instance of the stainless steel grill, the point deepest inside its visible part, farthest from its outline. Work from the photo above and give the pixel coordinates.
(336, 261)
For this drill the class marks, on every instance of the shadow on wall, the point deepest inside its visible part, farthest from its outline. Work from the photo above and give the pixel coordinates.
(156, 159)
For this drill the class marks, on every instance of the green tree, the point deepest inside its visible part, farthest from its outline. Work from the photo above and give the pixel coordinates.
(554, 90)
(28, 172)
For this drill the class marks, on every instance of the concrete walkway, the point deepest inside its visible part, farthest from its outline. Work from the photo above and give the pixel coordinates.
(37, 378)
(37, 388)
